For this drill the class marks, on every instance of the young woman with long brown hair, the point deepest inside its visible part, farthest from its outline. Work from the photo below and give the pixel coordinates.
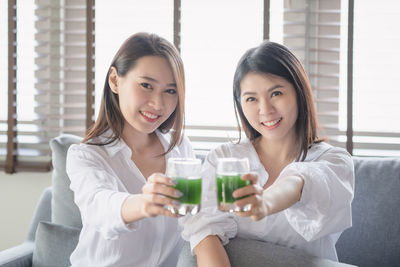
(301, 189)
(116, 172)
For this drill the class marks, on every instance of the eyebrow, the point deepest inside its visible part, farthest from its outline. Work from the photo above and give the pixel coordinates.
(154, 80)
(269, 90)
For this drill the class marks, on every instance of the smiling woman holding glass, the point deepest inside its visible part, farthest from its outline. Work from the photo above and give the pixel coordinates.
(301, 187)
(116, 172)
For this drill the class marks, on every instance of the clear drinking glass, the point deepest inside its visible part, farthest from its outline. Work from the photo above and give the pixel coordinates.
(229, 178)
(186, 173)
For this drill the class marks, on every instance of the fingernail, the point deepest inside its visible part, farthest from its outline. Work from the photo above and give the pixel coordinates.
(174, 182)
(178, 193)
(176, 202)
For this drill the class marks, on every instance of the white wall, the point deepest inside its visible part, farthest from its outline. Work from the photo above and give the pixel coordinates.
(19, 195)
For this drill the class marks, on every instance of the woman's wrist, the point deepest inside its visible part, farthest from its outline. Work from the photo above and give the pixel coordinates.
(131, 210)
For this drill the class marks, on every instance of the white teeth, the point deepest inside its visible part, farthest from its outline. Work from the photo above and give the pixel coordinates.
(271, 123)
(149, 115)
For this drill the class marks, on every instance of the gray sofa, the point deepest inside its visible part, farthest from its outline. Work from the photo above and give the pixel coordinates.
(374, 239)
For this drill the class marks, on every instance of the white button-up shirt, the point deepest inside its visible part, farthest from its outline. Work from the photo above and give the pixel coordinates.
(102, 177)
(313, 224)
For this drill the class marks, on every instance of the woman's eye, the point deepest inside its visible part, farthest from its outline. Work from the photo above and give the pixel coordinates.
(146, 85)
(250, 99)
(276, 93)
(170, 91)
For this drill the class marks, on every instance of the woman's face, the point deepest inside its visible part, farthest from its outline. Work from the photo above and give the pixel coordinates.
(147, 93)
(270, 106)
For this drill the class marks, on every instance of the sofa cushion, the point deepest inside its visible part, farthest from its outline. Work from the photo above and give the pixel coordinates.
(374, 238)
(64, 210)
(54, 244)
(246, 252)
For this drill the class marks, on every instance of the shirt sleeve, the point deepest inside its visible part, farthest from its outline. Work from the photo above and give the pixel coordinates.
(209, 221)
(96, 193)
(325, 204)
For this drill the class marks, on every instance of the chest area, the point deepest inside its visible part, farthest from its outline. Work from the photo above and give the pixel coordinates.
(147, 165)
(149, 159)
(273, 169)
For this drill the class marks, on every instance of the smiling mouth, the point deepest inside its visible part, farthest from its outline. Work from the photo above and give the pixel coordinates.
(271, 123)
(149, 116)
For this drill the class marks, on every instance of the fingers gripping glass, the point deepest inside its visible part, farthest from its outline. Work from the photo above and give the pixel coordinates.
(229, 178)
(186, 174)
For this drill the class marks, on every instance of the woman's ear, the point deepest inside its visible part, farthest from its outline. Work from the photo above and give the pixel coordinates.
(113, 80)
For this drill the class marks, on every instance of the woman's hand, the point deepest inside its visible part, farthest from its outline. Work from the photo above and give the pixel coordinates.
(254, 192)
(156, 194)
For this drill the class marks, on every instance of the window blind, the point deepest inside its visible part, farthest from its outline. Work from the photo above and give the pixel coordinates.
(30, 151)
(64, 78)
(316, 31)
(312, 31)
(12, 86)
(3, 80)
(63, 86)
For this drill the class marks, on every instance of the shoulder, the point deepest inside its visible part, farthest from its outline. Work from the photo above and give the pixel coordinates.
(182, 149)
(326, 152)
(185, 147)
(323, 147)
(98, 145)
(87, 151)
(185, 142)
(232, 149)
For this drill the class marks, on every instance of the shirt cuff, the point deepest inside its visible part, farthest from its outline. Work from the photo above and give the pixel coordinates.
(201, 225)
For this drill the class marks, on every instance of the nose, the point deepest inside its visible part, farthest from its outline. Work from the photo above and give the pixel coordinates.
(266, 107)
(156, 101)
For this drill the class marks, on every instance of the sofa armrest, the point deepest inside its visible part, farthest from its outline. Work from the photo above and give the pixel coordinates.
(18, 256)
(42, 213)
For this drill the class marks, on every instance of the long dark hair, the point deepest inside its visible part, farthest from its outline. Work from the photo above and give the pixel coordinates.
(110, 116)
(276, 59)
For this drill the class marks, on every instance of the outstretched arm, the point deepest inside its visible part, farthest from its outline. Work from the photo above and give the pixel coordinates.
(282, 194)
(156, 194)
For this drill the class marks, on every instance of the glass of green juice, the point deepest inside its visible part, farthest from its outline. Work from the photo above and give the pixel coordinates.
(229, 178)
(186, 172)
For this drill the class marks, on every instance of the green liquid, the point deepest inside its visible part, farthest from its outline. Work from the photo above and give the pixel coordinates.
(191, 189)
(226, 184)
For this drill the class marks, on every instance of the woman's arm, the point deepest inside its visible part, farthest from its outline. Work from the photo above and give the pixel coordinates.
(322, 191)
(282, 194)
(210, 252)
(156, 194)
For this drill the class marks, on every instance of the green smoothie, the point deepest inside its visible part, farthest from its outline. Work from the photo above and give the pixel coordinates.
(191, 189)
(226, 184)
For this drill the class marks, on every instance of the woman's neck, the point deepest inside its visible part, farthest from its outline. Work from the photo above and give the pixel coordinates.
(277, 151)
(275, 156)
(138, 142)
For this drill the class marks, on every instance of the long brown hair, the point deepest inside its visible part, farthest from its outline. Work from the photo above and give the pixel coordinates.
(276, 59)
(110, 116)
